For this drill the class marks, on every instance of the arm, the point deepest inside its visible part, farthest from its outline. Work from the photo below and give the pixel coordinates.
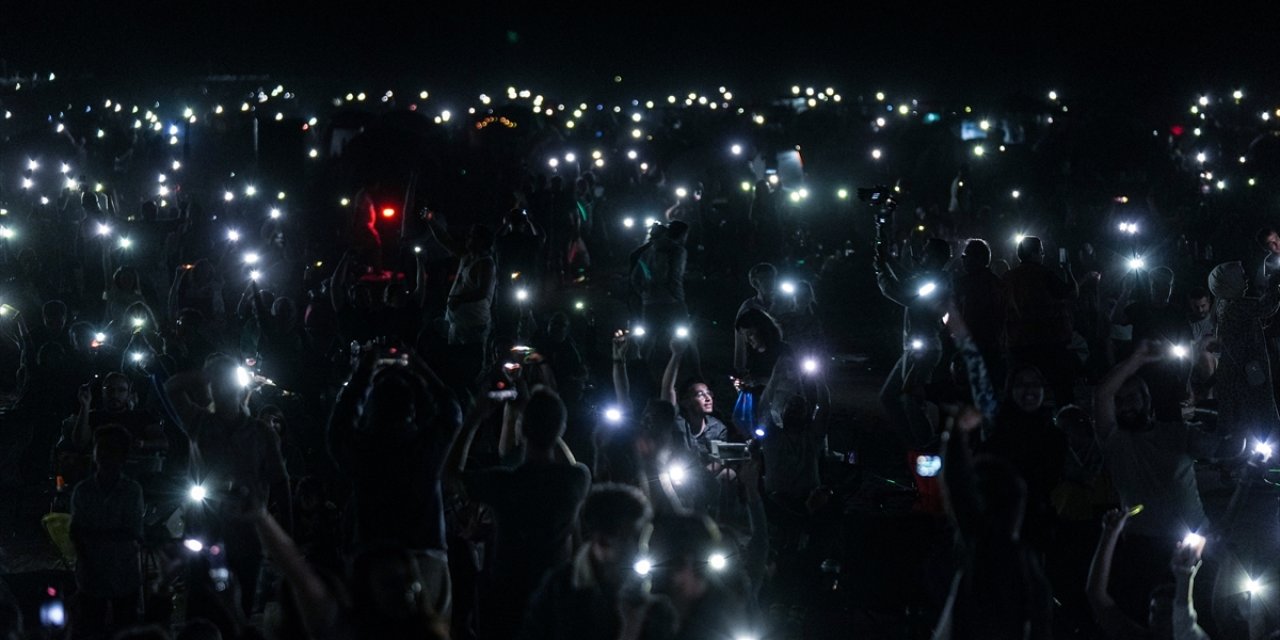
(456, 461)
(1185, 564)
(447, 241)
(80, 434)
(346, 412)
(1104, 397)
(419, 294)
(184, 391)
(621, 384)
(1068, 290)
(1105, 611)
(980, 387)
(891, 286)
(959, 486)
(311, 594)
(668, 390)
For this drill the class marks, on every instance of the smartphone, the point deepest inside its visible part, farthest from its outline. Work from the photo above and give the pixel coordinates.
(1062, 255)
(511, 368)
(503, 395)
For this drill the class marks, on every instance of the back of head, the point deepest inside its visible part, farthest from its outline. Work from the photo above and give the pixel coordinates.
(678, 230)
(762, 271)
(614, 509)
(977, 254)
(762, 322)
(1030, 249)
(1227, 280)
(937, 252)
(1161, 278)
(544, 418)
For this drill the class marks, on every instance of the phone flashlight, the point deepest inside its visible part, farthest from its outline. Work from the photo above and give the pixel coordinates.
(254, 275)
(1135, 510)
(103, 229)
(193, 545)
(1062, 254)
(522, 294)
(251, 258)
(677, 473)
(927, 289)
(638, 331)
(275, 214)
(99, 337)
(928, 466)
(1193, 539)
(243, 378)
(137, 356)
(1136, 263)
(788, 287)
(1178, 351)
(917, 344)
(643, 566)
(613, 414)
(233, 235)
(717, 561)
(197, 493)
(628, 222)
(810, 365)
(1263, 449)
(417, 249)
(682, 332)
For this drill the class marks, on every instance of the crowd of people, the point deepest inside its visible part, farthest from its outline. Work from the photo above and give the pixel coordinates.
(510, 429)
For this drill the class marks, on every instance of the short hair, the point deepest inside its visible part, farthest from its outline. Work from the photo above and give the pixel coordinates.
(686, 386)
(54, 309)
(1196, 293)
(938, 249)
(611, 509)
(544, 417)
(760, 270)
(1029, 246)
(761, 321)
(113, 438)
(1162, 274)
(979, 250)
(1262, 234)
(116, 375)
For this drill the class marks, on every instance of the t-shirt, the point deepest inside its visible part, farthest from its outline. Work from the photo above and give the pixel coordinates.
(535, 506)
(701, 442)
(1155, 468)
(108, 568)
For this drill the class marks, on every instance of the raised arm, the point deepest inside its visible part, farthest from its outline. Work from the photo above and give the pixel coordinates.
(959, 486)
(621, 384)
(310, 593)
(1185, 564)
(346, 411)
(668, 390)
(1104, 397)
(1105, 611)
(441, 234)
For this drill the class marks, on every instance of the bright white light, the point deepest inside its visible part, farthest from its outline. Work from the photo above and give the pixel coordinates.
(192, 544)
(233, 235)
(569, 157)
(251, 191)
(1204, 101)
(628, 222)
(197, 493)
(27, 183)
(1018, 238)
(642, 567)
(613, 414)
(554, 162)
(875, 154)
(917, 344)
(522, 294)
(1263, 449)
(1016, 194)
(681, 192)
(717, 561)
(1053, 95)
(636, 133)
(736, 149)
(1237, 94)
(1193, 539)
(632, 155)
(137, 356)
(254, 275)
(6, 233)
(677, 473)
(788, 287)
(1136, 263)
(100, 337)
(810, 365)
(275, 213)
(682, 332)
(1178, 351)
(251, 258)
(1252, 585)
(650, 221)
(927, 289)
(638, 331)
(978, 150)
(103, 229)
(125, 243)
(228, 196)
(843, 194)
(243, 378)
(1200, 157)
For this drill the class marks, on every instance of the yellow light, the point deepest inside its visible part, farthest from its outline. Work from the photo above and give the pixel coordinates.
(879, 96)
(904, 109)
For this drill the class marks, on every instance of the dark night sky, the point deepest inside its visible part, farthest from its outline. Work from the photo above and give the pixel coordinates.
(1131, 53)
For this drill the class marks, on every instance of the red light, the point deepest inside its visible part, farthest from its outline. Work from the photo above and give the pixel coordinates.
(51, 591)
(1176, 130)
(388, 212)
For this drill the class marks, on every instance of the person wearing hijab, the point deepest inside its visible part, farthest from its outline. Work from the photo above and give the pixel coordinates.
(1243, 387)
